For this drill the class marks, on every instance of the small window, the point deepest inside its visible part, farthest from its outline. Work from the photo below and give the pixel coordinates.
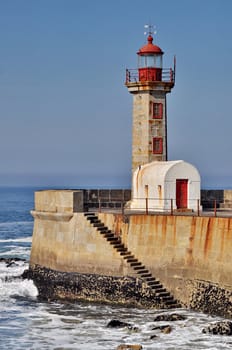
(157, 110)
(157, 145)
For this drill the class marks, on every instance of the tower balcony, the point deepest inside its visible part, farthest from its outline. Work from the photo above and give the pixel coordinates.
(150, 75)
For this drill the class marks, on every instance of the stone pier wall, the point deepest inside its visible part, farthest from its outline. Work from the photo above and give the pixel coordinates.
(191, 256)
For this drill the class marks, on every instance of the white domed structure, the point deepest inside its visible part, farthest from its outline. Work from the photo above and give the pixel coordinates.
(162, 186)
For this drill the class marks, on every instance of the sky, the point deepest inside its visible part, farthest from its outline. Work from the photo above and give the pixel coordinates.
(65, 113)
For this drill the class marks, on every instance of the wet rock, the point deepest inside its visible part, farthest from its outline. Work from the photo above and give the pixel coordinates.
(219, 328)
(160, 327)
(118, 324)
(169, 317)
(73, 286)
(153, 336)
(167, 330)
(129, 346)
(211, 299)
(11, 261)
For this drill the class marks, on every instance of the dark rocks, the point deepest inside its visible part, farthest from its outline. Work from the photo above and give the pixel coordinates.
(72, 286)
(219, 328)
(117, 324)
(153, 336)
(11, 261)
(120, 324)
(169, 317)
(211, 299)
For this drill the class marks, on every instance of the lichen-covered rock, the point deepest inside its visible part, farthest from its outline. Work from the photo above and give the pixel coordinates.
(129, 346)
(219, 328)
(169, 317)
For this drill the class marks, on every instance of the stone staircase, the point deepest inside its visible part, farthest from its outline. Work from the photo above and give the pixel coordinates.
(141, 270)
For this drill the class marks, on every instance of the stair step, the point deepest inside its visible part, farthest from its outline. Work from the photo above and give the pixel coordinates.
(119, 245)
(142, 271)
(132, 260)
(102, 228)
(158, 286)
(121, 249)
(89, 214)
(141, 267)
(135, 264)
(168, 298)
(151, 279)
(109, 235)
(159, 290)
(91, 218)
(112, 240)
(127, 255)
(98, 224)
(146, 275)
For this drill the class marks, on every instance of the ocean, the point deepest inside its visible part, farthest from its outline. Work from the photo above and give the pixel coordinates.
(27, 323)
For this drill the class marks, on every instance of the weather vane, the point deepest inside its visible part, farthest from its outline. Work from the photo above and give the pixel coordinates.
(150, 29)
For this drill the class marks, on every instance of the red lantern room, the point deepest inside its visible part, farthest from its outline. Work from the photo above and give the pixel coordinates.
(150, 62)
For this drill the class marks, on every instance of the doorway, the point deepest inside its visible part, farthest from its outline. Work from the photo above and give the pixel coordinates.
(181, 193)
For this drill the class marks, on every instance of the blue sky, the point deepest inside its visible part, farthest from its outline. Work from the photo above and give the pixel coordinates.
(65, 112)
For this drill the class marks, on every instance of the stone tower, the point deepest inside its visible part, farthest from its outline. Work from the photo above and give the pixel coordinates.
(149, 84)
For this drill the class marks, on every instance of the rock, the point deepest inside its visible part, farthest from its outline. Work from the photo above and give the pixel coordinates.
(129, 346)
(219, 328)
(160, 327)
(167, 330)
(170, 317)
(153, 336)
(118, 324)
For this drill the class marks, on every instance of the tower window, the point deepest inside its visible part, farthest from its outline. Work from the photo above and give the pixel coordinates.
(157, 145)
(157, 110)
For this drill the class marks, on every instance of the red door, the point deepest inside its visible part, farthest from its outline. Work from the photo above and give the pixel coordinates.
(181, 193)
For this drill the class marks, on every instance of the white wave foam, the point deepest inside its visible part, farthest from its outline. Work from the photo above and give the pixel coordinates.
(18, 287)
(22, 240)
(16, 251)
(16, 223)
(12, 285)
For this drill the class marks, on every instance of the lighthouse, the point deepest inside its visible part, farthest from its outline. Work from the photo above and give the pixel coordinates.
(157, 183)
(149, 84)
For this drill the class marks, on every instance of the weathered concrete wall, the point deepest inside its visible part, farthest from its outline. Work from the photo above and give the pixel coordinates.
(69, 243)
(178, 249)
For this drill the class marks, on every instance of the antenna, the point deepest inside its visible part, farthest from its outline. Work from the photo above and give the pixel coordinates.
(150, 29)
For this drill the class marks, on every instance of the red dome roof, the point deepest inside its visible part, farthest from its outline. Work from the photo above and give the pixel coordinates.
(149, 47)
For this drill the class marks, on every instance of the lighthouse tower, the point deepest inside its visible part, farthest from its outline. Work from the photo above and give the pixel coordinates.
(149, 84)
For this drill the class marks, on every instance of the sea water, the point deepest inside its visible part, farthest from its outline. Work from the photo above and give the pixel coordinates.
(27, 323)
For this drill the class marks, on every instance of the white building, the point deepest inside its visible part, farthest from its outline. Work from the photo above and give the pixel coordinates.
(162, 186)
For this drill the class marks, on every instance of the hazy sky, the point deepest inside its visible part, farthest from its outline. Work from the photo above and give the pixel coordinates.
(65, 112)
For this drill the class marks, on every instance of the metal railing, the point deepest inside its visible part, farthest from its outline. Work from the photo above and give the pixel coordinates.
(168, 75)
(155, 206)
